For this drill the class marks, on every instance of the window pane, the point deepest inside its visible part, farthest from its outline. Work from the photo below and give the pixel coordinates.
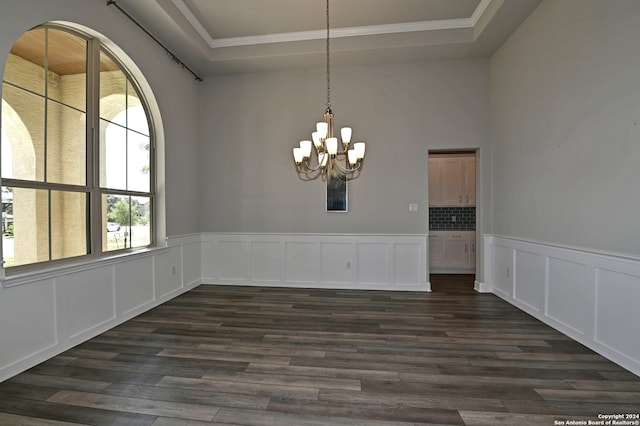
(116, 220)
(67, 66)
(113, 156)
(29, 240)
(113, 91)
(25, 64)
(22, 134)
(138, 166)
(66, 145)
(69, 235)
(7, 225)
(141, 229)
(136, 118)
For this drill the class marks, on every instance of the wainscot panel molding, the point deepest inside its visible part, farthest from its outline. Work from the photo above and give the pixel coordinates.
(588, 295)
(45, 313)
(366, 262)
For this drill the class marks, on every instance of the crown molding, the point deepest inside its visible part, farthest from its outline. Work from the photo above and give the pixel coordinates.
(362, 31)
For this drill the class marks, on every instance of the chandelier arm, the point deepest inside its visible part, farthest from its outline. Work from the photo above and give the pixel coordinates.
(308, 174)
(346, 169)
(308, 177)
(308, 168)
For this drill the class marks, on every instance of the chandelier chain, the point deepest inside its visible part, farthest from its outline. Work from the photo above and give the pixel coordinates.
(328, 64)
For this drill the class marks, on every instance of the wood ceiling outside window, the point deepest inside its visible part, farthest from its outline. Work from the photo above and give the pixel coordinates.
(64, 56)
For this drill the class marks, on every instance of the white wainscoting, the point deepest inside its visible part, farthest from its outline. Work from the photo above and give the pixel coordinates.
(590, 296)
(368, 262)
(46, 313)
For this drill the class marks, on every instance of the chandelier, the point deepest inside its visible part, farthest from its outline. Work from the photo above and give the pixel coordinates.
(332, 160)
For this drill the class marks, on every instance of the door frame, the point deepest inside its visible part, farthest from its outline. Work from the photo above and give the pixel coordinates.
(478, 227)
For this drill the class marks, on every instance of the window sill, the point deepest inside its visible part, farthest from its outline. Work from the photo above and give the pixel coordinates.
(27, 277)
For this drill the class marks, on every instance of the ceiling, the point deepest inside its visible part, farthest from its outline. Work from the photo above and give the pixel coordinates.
(231, 36)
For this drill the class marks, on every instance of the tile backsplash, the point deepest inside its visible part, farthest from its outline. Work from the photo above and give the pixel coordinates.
(441, 218)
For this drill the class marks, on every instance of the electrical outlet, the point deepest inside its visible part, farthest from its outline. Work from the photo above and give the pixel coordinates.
(173, 270)
(454, 219)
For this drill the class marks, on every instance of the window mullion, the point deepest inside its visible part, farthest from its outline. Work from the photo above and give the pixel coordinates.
(93, 152)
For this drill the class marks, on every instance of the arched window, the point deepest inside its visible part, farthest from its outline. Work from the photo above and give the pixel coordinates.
(78, 151)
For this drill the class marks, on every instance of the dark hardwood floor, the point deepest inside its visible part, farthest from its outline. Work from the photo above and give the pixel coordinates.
(273, 356)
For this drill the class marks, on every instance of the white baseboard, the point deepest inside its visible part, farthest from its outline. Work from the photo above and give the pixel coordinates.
(481, 287)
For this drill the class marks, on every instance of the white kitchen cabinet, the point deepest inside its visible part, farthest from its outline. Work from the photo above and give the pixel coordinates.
(435, 182)
(469, 182)
(456, 250)
(436, 249)
(472, 250)
(452, 251)
(452, 180)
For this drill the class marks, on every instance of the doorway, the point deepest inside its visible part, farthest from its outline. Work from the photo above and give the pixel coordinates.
(452, 195)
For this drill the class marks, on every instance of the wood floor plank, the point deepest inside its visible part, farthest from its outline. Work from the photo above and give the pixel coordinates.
(271, 418)
(433, 401)
(226, 356)
(64, 413)
(257, 389)
(189, 396)
(285, 380)
(230, 355)
(568, 409)
(483, 418)
(485, 382)
(592, 396)
(178, 410)
(369, 412)
(345, 373)
(13, 420)
(56, 382)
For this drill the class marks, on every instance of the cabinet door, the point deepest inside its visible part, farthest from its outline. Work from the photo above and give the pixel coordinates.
(457, 250)
(435, 182)
(436, 250)
(452, 181)
(472, 250)
(469, 193)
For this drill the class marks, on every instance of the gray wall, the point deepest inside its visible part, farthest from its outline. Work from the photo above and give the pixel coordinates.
(175, 91)
(565, 105)
(251, 122)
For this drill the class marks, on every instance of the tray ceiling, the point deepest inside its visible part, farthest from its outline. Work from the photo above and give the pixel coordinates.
(231, 36)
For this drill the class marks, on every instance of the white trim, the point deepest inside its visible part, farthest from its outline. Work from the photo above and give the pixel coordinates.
(480, 10)
(481, 287)
(362, 31)
(87, 263)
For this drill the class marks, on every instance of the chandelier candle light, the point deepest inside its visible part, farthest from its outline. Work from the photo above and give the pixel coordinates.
(331, 161)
